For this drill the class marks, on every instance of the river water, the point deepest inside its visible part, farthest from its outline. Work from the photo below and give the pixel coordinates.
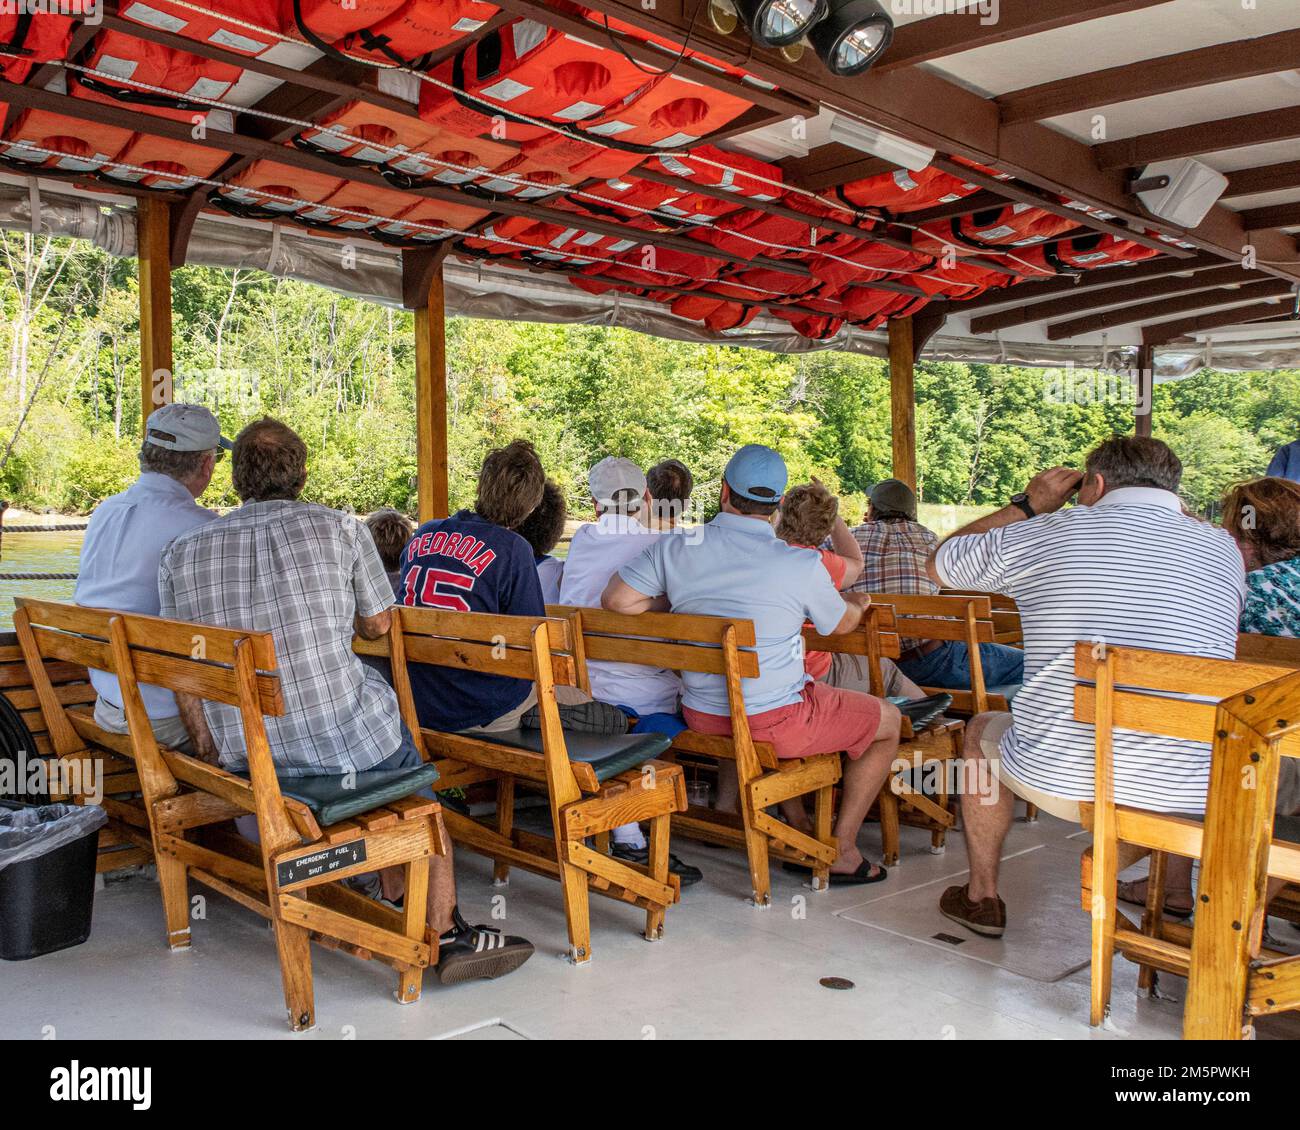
(36, 553)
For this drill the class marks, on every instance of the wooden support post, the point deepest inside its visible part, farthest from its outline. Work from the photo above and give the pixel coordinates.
(153, 245)
(431, 400)
(1146, 383)
(902, 393)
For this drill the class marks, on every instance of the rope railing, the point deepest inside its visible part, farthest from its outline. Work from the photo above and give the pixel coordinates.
(49, 528)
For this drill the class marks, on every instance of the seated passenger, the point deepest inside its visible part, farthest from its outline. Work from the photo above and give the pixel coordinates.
(894, 551)
(542, 530)
(1125, 567)
(670, 485)
(310, 576)
(1264, 517)
(391, 531)
(475, 561)
(126, 536)
(735, 566)
(598, 550)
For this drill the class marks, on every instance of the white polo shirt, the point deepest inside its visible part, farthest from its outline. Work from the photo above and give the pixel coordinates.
(737, 567)
(1133, 571)
(598, 550)
(119, 562)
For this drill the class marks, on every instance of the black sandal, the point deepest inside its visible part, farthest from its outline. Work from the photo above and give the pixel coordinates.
(860, 877)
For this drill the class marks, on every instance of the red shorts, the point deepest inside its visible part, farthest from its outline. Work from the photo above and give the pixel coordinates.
(825, 720)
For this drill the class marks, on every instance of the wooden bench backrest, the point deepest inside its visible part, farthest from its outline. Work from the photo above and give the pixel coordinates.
(660, 639)
(1005, 614)
(227, 665)
(951, 617)
(195, 659)
(1281, 651)
(69, 682)
(475, 641)
(1150, 689)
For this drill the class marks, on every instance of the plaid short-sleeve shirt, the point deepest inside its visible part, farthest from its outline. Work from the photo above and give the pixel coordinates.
(301, 572)
(894, 554)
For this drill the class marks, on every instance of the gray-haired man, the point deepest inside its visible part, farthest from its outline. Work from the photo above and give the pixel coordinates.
(127, 534)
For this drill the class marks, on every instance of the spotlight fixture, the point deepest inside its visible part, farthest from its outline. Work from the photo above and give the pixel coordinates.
(779, 23)
(853, 35)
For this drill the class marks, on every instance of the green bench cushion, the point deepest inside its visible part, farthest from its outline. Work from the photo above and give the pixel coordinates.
(330, 802)
(607, 754)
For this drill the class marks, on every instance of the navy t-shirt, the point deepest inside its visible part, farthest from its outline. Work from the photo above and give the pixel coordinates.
(466, 564)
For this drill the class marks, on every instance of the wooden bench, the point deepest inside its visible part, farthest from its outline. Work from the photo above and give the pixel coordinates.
(927, 753)
(1005, 615)
(965, 618)
(722, 647)
(593, 784)
(1250, 712)
(335, 829)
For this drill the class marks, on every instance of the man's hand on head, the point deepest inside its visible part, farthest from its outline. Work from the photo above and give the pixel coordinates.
(1051, 489)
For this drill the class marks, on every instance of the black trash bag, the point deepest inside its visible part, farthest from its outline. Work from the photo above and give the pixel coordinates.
(27, 833)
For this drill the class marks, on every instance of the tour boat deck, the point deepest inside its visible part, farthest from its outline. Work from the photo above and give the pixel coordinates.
(723, 970)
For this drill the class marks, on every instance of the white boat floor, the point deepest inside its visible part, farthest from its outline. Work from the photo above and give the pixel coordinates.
(723, 970)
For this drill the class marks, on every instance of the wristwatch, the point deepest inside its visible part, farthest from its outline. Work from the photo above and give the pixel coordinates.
(1022, 500)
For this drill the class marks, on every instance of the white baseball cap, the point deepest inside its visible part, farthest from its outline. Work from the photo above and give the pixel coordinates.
(185, 427)
(613, 474)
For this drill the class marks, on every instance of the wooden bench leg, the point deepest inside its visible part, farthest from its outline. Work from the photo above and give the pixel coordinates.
(823, 812)
(1031, 813)
(410, 982)
(756, 852)
(1153, 916)
(658, 863)
(577, 912)
(889, 837)
(505, 825)
(294, 946)
(172, 883)
(1104, 872)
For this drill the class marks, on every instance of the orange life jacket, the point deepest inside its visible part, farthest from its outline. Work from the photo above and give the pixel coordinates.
(737, 173)
(717, 314)
(866, 261)
(243, 26)
(171, 165)
(147, 64)
(76, 147)
(528, 68)
(408, 149)
(412, 228)
(267, 190)
(1087, 252)
(902, 191)
(523, 179)
(817, 327)
(27, 40)
(408, 33)
(1014, 225)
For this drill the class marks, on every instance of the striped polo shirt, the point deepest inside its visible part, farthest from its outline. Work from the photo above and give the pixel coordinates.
(1131, 570)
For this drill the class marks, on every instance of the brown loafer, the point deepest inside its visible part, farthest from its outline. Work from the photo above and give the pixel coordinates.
(987, 917)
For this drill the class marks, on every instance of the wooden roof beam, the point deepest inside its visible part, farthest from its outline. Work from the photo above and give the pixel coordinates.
(1163, 287)
(1164, 332)
(955, 32)
(1266, 178)
(1186, 70)
(1203, 137)
(1278, 216)
(1130, 315)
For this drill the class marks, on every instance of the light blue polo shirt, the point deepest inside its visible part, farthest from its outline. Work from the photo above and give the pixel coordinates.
(737, 567)
(119, 562)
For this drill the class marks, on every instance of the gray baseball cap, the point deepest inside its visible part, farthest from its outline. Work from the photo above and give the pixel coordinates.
(894, 497)
(185, 427)
(613, 474)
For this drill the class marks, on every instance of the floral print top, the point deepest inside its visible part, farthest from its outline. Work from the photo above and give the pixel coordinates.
(1273, 599)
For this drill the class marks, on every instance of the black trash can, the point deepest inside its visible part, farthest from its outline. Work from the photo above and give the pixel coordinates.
(47, 876)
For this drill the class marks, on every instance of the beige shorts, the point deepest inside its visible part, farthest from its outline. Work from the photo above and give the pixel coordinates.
(1288, 781)
(513, 719)
(170, 733)
(990, 741)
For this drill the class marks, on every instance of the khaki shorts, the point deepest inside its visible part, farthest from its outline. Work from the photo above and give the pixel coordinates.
(990, 741)
(170, 733)
(514, 719)
(1288, 781)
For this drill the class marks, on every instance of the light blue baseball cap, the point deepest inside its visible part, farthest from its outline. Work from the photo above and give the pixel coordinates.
(758, 473)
